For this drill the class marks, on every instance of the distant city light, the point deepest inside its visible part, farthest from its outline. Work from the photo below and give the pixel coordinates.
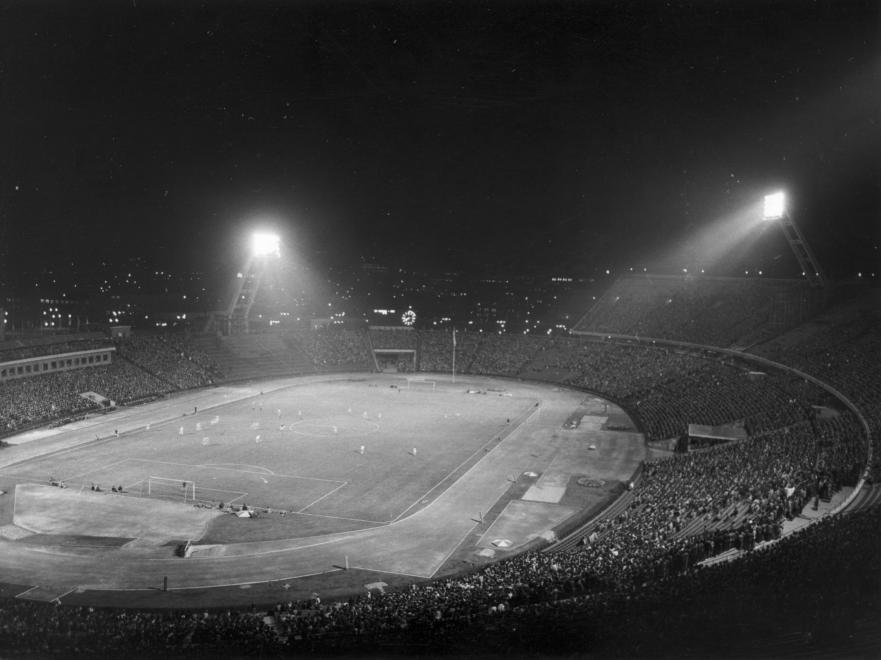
(265, 244)
(775, 206)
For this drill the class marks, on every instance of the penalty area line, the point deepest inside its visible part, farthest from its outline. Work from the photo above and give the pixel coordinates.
(327, 494)
(100, 469)
(258, 469)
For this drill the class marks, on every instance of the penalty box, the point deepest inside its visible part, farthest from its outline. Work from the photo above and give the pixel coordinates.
(256, 486)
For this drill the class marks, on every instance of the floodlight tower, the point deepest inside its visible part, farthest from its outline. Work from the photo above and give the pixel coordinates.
(775, 209)
(263, 248)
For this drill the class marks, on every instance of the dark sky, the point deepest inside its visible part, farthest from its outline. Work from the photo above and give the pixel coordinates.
(480, 136)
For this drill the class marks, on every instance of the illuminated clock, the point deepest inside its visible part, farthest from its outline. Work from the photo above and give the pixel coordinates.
(408, 318)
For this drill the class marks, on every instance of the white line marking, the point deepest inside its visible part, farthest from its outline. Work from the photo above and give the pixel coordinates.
(381, 523)
(235, 499)
(379, 570)
(453, 471)
(125, 489)
(218, 586)
(273, 551)
(323, 496)
(450, 553)
(27, 591)
(58, 598)
(230, 466)
(220, 467)
(498, 517)
(103, 467)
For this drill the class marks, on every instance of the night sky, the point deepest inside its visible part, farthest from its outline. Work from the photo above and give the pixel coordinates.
(479, 136)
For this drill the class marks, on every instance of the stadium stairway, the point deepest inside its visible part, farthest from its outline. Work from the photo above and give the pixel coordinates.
(170, 386)
(254, 356)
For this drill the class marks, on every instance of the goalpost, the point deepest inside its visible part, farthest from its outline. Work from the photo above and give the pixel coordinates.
(171, 488)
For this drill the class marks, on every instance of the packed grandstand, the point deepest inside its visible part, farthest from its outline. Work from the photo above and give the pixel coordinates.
(799, 374)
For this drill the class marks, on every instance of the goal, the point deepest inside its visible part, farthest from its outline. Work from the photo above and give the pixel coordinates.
(421, 384)
(168, 488)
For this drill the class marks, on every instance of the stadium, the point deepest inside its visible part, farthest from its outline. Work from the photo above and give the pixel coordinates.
(534, 329)
(317, 479)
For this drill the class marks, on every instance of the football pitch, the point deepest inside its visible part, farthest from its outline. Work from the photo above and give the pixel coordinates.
(403, 479)
(299, 450)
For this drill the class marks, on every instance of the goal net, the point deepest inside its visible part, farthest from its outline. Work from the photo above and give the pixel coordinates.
(168, 488)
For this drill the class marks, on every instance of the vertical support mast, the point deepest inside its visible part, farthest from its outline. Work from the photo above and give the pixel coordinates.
(454, 356)
(803, 253)
(775, 209)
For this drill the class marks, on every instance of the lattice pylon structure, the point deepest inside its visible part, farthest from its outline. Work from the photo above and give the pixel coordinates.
(245, 293)
(802, 251)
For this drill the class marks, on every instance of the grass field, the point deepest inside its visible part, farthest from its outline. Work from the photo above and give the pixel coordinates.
(498, 462)
(299, 450)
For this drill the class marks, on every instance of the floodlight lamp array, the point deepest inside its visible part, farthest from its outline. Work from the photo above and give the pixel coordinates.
(775, 206)
(263, 245)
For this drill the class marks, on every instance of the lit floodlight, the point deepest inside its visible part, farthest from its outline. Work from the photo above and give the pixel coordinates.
(775, 206)
(265, 244)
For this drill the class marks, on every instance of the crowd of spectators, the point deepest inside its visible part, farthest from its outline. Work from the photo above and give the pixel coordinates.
(335, 349)
(841, 348)
(188, 350)
(15, 351)
(436, 350)
(667, 389)
(95, 632)
(817, 592)
(143, 366)
(817, 578)
(159, 357)
(504, 355)
(393, 338)
(601, 593)
(714, 311)
(42, 398)
(681, 511)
